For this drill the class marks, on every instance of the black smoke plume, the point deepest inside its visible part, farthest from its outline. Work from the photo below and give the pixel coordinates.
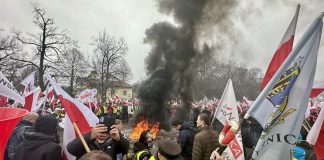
(172, 59)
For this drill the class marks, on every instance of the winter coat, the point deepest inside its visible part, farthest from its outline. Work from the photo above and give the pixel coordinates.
(205, 142)
(185, 139)
(38, 146)
(110, 146)
(17, 137)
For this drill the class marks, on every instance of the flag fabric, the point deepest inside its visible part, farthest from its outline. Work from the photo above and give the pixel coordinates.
(287, 97)
(3, 101)
(315, 136)
(283, 50)
(226, 112)
(40, 103)
(316, 90)
(8, 90)
(76, 113)
(28, 82)
(9, 117)
(50, 92)
(87, 95)
(31, 100)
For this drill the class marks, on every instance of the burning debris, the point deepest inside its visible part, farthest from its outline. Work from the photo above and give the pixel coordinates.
(144, 125)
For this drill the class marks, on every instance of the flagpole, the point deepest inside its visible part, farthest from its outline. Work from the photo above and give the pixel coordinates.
(307, 35)
(85, 145)
(283, 66)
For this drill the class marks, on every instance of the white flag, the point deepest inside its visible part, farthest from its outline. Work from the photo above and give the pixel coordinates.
(8, 90)
(288, 97)
(226, 112)
(29, 82)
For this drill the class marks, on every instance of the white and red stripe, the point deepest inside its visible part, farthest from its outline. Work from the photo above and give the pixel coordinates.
(283, 50)
(76, 113)
(316, 90)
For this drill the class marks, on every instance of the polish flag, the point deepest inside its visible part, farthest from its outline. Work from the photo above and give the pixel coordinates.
(316, 90)
(76, 113)
(283, 50)
(315, 136)
(31, 100)
(50, 92)
(29, 82)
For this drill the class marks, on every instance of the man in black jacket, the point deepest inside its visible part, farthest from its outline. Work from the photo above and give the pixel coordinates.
(43, 144)
(98, 139)
(186, 137)
(17, 136)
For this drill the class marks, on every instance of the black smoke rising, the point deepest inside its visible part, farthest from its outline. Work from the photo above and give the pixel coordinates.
(172, 59)
(153, 94)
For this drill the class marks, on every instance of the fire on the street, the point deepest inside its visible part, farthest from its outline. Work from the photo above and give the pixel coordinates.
(143, 125)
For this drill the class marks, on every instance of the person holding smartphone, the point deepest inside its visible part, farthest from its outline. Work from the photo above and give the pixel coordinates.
(104, 136)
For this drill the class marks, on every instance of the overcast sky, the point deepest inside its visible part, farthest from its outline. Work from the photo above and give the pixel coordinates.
(260, 24)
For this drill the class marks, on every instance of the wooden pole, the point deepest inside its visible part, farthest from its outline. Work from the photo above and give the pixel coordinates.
(308, 125)
(85, 145)
(306, 128)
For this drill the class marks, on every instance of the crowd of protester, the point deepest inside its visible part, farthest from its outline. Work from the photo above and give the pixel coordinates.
(36, 137)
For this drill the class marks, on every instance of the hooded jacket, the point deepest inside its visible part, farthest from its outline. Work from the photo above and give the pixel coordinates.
(38, 146)
(17, 137)
(185, 139)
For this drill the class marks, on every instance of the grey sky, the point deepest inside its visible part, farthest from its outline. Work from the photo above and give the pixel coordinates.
(260, 24)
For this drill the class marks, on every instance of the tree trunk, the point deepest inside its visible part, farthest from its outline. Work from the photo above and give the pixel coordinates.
(71, 81)
(41, 62)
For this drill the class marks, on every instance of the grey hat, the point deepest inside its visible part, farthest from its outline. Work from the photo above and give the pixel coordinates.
(169, 149)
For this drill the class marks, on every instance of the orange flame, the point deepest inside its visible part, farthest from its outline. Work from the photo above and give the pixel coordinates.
(144, 125)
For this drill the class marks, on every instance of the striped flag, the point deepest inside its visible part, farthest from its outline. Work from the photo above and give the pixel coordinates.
(283, 50)
(76, 113)
(287, 97)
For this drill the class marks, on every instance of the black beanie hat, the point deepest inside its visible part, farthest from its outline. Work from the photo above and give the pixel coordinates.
(46, 124)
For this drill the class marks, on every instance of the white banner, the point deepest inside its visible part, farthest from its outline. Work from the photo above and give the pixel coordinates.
(8, 90)
(87, 95)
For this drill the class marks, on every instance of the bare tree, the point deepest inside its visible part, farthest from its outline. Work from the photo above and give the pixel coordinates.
(108, 53)
(124, 72)
(48, 43)
(73, 65)
(8, 48)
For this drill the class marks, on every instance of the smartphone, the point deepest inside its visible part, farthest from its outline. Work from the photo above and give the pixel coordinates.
(108, 122)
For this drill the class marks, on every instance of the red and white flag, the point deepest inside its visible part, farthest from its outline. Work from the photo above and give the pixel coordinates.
(315, 136)
(226, 112)
(316, 90)
(8, 90)
(50, 92)
(29, 82)
(76, 113)
(287, 95)
(31, 100)
(283, 50)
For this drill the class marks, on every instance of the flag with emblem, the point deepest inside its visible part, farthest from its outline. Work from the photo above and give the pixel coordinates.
(287, 95)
